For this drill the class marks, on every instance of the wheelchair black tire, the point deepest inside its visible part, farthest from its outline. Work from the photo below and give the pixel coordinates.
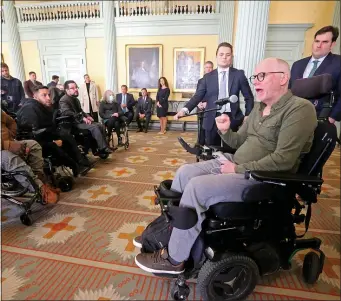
(65, 184)
(210, 270)
(103, 156)
(311, 267)
(16, 191)
(26, 219)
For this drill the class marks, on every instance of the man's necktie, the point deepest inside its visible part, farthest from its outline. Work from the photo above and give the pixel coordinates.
(311, 74)
(222, 90)
(124, 102)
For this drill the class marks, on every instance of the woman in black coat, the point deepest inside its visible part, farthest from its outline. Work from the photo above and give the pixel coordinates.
(111, 113)
(162, 103)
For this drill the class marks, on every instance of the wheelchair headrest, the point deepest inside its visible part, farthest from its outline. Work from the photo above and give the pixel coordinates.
(313, 87)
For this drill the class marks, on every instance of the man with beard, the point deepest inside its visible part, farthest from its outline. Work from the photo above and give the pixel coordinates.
(37, 113)
(70, 106)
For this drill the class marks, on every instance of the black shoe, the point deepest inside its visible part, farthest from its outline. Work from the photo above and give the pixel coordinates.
(84, 162)
(137, 242)
(139, 130)
(120, 141)
(146, 131)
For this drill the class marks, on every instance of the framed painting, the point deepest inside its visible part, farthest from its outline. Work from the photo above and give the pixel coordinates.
(143, 66)
(188, 68)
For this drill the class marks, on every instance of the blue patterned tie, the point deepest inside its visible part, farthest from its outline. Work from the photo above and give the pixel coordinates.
(124, 102)
(314, 68)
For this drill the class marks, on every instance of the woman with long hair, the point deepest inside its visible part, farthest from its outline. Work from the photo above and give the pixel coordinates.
(162, 103)
(111, 113)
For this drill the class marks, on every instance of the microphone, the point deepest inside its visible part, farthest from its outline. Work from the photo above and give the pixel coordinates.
(224, 101)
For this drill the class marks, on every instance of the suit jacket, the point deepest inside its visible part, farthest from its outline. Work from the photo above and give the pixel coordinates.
(144, 107)
(208, 89)
(28, 87)
(130, 101)
(70, 106)
(330, 65)
(52, 84)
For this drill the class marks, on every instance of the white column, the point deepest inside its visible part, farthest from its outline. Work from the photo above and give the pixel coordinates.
(226, 10)
(251, 33)
(14, 44)
(110, 45)
(336, 23)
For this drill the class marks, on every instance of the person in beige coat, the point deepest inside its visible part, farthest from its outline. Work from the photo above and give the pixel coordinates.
(88, 97)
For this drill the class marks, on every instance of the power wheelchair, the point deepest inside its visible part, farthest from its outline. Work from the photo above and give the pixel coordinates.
(242, 241)
(83, 138)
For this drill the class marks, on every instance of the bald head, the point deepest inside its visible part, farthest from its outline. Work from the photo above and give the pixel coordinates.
(272, 80)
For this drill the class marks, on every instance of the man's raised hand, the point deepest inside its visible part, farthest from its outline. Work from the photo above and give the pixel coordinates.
(223, 123)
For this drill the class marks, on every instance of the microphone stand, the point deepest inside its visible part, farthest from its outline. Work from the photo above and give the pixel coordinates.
(198, 149)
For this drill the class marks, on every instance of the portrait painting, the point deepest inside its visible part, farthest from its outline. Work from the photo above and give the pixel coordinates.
(144, 66)
(188, 68)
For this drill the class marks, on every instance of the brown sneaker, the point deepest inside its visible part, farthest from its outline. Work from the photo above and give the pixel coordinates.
(49, 194)
(158, 263)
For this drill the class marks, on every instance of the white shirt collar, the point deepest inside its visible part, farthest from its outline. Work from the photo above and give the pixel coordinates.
(321, 59)
(220, 69)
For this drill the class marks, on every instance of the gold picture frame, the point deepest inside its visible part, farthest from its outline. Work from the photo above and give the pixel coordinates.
(143, 66)
(188, 68)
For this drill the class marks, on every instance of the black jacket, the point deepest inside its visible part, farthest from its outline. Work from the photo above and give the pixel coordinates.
(14, 92)
(106, 109)
(70, 106)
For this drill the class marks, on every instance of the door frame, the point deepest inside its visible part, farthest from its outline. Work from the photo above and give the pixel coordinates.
(61, 47)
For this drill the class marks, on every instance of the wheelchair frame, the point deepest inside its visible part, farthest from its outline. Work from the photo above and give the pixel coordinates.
(124, 132)
(26, 205)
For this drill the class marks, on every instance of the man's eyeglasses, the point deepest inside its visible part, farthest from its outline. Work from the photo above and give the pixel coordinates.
(260, 76)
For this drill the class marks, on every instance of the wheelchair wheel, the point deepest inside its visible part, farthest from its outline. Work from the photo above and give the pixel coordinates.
(311, 267)
(180, 292)
(26, 219)
(65, 184)
(12, 188)
(103, 156)
(232, 278)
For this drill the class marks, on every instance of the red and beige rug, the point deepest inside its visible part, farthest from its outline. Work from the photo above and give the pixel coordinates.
(81, 248)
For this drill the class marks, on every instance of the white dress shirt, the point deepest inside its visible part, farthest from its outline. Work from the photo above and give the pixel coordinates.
(310, 65)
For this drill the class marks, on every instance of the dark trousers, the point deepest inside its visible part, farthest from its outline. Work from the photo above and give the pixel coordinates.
(97, 132)
(130, 116)
(70, 146)
(58, 153)
(147, 120)
(113, 123)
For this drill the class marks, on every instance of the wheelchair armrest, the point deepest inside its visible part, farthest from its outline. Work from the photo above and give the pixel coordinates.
(283, 178)
(63, 118)
(37, 132)
(223, 149)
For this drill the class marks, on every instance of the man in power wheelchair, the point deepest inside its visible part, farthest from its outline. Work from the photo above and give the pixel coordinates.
(236, 211)
(113, 118)
(22, 169)
(69, 105)
(37, 115)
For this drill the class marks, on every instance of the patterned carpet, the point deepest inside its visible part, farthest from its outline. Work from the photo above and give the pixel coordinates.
(81, 248)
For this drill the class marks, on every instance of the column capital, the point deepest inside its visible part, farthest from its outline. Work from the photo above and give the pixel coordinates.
(14, 40)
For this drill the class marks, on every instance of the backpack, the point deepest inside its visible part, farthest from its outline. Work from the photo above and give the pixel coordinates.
(157, 235)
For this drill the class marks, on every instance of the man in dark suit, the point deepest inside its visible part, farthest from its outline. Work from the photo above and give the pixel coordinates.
(221, 83)
(127, 103)
(31, 84)
(54, 82)
(322, 61)
(144, 110)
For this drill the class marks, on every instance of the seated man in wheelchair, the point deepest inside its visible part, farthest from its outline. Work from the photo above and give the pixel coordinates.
(24, 156)
(37, 114)
(279, 129)
(69, 105)
(112, 115)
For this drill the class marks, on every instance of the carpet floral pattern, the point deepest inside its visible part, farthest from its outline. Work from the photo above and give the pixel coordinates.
(81, 248)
